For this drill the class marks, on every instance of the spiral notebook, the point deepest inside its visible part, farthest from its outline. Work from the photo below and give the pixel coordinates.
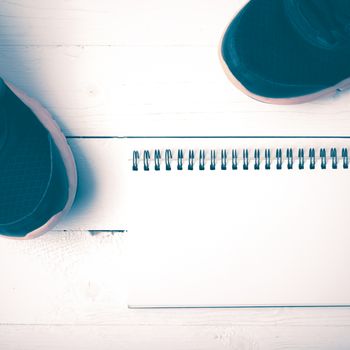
(239, 222)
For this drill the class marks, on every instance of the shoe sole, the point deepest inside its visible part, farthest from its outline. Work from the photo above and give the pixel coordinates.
(60, 141)
(331, 91)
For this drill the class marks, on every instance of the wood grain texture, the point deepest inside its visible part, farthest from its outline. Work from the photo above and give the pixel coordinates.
(173, 337)
(81, 280)
(68, 289)
(114, 22)
(116, 68)
(157, 91)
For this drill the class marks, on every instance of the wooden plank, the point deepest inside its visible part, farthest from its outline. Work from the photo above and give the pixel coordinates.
(78, 278)
(69, 289)
(110, 22)
(157, 91)
(131, 337)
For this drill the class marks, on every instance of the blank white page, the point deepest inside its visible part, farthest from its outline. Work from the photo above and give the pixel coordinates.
(211, 238)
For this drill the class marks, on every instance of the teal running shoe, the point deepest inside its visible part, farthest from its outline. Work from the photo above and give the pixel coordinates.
(289, 51)
(38, 177)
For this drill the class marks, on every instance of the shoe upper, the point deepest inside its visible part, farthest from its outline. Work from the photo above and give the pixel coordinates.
(33, 181)
(325, 24)
(289, 48)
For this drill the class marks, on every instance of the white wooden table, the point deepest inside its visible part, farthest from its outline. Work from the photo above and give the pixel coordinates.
(113, 68)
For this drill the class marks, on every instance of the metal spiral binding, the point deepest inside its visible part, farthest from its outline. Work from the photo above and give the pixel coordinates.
(190, 159)
(334, 158)
(234, 160)
(279, 158)
(301, 158)
(180, 158)
(241, 159)
(135, 160)
(289, 158)
(223, 159)
(157, 156)
(146, 158)
(323, 156)
(212, 159)
(267, 159)
(344, 154)
(168, 157)
(312, 158)
(256, 159)
(201, 159)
